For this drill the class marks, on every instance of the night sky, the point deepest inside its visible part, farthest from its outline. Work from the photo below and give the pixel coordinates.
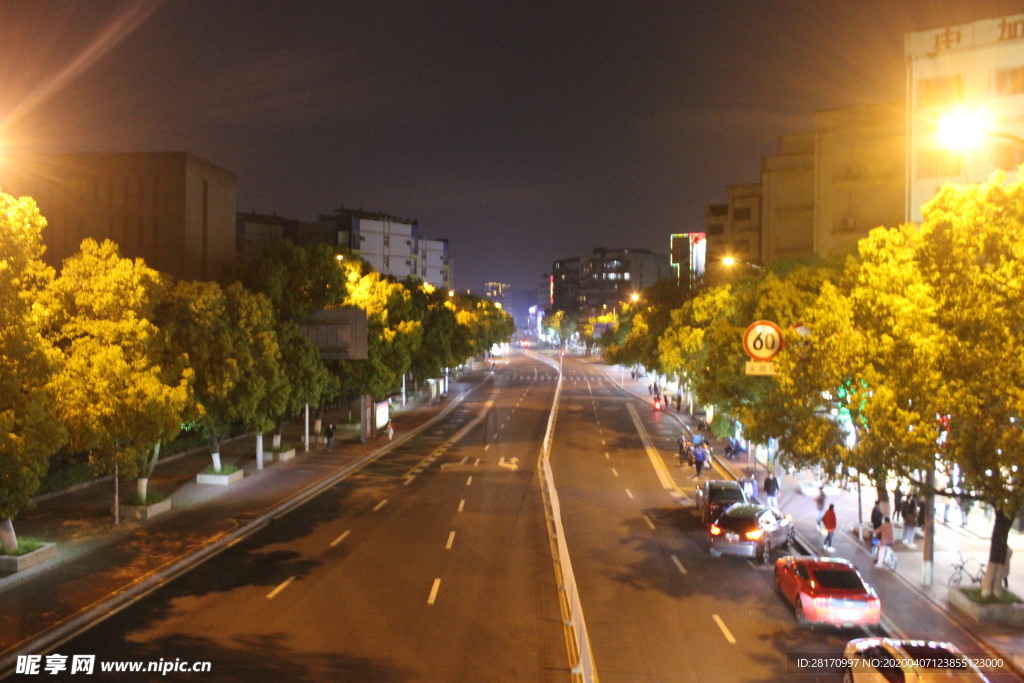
(521, 131)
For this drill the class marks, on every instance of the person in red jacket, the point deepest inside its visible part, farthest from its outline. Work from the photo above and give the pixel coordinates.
(828, 520)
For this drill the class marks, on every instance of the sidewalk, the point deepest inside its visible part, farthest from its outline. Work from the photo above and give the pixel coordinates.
(100, 565)
(910, 610)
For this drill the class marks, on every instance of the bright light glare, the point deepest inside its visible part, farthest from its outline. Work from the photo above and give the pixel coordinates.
(728, 260)
(963, 130)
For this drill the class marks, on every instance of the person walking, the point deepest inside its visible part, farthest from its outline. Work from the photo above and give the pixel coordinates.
(828, 520)
(771, 490)
(748, 490)
(329, 433)
(391, 431)
(876, 517)
(819, 502)
(909, 522)
(699, 454)
(753, 488)
(885, 539)
(897, 502)
(681, 444)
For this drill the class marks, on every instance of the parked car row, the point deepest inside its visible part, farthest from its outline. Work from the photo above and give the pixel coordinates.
(823, 590)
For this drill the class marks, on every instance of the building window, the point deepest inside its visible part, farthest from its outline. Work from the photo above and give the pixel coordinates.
(716, 229)
(387, 240)
(1009, 81)
(940, 92)
(938, 163)
(741, 213)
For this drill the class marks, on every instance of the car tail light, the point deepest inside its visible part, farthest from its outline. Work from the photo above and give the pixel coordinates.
(716, 530)
(820, 603)
(755, 535)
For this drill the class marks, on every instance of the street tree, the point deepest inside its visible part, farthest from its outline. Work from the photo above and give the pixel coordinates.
(229, 338)
(116, 397)
(29, 428)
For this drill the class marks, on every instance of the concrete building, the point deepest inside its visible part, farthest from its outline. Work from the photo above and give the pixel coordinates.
(171, 209)
(978, 69)
(609, 277)
(734, 229)
(859, 171)
(787, 199)
(563, 286)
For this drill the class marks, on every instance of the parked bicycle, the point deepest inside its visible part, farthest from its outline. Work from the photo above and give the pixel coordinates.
(891, 559)
(960, 570)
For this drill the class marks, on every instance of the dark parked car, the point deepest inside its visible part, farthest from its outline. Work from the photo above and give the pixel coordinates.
(750, 530)
(715, 495)
(829, 590)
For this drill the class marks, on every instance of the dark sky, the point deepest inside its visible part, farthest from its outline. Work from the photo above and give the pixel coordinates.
(522, 131)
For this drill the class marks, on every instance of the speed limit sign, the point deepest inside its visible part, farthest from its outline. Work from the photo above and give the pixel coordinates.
(762, 340)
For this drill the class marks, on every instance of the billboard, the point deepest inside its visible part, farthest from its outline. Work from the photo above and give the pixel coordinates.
(689, 256)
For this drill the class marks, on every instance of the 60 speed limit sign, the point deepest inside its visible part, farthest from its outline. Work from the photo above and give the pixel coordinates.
(762, 340)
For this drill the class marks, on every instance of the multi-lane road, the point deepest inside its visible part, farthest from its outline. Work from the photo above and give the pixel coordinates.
(433, 562)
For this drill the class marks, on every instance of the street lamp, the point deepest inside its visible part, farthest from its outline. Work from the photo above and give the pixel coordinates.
(731, 261)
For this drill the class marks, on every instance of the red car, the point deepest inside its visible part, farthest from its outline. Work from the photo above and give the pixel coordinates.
(827, 590)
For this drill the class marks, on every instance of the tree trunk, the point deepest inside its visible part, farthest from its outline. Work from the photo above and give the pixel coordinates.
(142, 489)
(882, 493)
(997, 554)
(259, 450)
(277, 434)
(8, 539)
(117, 493)
(215, 450)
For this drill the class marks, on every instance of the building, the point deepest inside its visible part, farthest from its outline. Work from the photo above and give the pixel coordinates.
(734, 229)
(858, 173)
(393, 246)
(609, 277)
(973, 70)
(787, 199)
(563, 286)
(171, 209)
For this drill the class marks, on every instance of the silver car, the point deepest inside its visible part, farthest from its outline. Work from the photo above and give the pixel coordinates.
(750, 530)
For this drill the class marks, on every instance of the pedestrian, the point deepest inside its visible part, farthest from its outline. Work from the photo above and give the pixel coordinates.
(771, 490)
(329, 433)
(819, 502)
(748, 490)
(828, 520)
(885, 539)
(699, 454)
(391, 431)
(679, 403)
(909, 522)
(897, 502)
(650, 389)
(753, 487)
(876, 517)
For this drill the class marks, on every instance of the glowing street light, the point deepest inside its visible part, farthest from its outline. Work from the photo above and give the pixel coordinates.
(729, 261)
(962, 129)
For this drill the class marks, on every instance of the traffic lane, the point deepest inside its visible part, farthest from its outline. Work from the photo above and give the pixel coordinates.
(626, 568)
(299, 617)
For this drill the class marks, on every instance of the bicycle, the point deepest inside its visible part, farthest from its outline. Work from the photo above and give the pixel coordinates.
(891, 559)
(960, 571)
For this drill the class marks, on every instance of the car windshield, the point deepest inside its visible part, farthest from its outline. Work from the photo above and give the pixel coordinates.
(838, 578)
(741, 518)
(726, 495)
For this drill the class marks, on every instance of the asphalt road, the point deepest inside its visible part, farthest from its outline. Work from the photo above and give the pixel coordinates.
(657, 606)
(431, 563)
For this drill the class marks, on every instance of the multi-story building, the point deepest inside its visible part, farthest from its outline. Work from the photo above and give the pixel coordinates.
(734, 229)
(435, 264)
(609, 277)
(858, 168)
(563, 286)
(787, 199)
(171, 209)
(976, 69)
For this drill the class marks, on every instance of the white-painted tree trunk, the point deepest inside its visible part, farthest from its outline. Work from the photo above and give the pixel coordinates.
(142, 489)
(216, 461)
(317, 424)
(8, 539)
(277, 442)
(259, 451)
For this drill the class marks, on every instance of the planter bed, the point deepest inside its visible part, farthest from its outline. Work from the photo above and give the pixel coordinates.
(1010, 614)
(146, 511)
(17, 563)
(220, 479)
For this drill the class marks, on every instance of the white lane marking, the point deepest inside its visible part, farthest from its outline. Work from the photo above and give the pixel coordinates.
(615, 472)
(652, 453)
(463, 461)
(603, 443)
(648, 520)
(409, 479)
(280, 588)
(679, 565)
(606, 455)
(462, 504)
(433, 592)
(725, 630)
(629, 493)
(486, 447)
(469, 480)
(379, 505)
(341, 538)
(476, 462)
(451, 539)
